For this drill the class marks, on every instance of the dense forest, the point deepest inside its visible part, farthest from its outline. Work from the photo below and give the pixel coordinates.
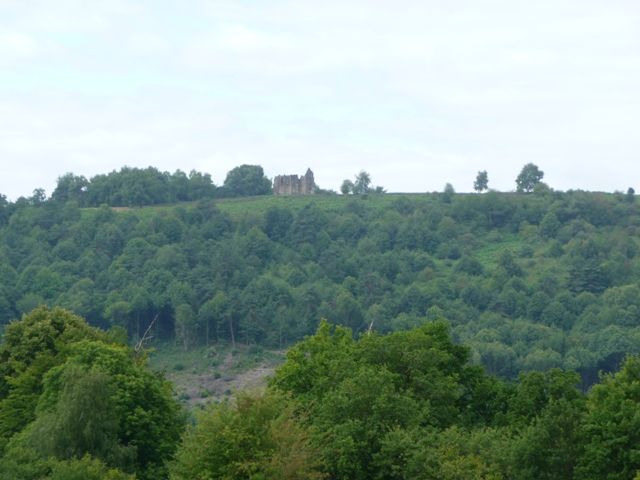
(76, 403)
(530, 281)
(479, 335)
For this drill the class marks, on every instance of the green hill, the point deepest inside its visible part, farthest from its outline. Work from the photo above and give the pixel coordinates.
(519, 283)
(530, 281)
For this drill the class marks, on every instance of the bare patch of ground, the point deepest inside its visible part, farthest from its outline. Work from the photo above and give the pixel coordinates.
(196, 383)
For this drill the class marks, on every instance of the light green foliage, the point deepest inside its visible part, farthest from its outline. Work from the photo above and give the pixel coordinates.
(30, 348)
(25, 464)
(20, 463)
(256, 436)
(68, 390)
(358, 392)
(149, 419)
(403, 405)
(361, 185)
(86, 469)
(82, 421)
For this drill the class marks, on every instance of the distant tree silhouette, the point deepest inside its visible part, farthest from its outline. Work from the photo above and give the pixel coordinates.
(482, 182)
(529, 177)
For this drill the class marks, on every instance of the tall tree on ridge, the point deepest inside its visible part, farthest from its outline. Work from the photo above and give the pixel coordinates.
(482, 182)
(529, 177)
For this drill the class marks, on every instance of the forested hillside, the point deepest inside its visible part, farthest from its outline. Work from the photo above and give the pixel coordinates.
(529, 281)
(452, 314)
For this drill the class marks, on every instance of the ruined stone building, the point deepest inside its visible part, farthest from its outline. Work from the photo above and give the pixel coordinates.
(287, 184)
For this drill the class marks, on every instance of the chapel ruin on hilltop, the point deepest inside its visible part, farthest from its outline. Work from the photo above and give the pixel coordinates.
(291, 184)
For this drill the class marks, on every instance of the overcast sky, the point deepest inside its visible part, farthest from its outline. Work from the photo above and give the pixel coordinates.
(417, 92)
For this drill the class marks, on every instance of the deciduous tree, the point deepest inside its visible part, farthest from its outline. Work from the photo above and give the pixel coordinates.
(528, 178)
(482, 182)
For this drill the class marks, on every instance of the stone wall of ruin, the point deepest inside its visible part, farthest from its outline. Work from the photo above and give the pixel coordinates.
(292, 184)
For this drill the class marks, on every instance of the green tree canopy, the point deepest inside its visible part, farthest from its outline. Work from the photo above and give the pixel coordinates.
(612, 426)
(247, 180)
(79, 391)
(528, 178)
(358, 392)
(256, 436)
(481, 182)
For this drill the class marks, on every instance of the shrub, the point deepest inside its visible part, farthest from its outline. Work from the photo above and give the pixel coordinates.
(254, 350)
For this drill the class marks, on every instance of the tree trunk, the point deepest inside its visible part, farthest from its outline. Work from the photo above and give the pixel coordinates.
(233, 341)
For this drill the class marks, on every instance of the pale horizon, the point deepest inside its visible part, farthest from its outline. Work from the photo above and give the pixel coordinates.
(419, 94)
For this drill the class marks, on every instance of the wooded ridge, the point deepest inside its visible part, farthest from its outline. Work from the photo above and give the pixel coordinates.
(464, 335)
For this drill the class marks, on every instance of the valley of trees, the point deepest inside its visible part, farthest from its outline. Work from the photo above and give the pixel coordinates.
(472, 329)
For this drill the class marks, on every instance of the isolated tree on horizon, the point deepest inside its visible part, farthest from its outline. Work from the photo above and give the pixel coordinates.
(482, 182)
(529, 177)
(361, 185)
(347, 187)
(631, 195)
(448, 193)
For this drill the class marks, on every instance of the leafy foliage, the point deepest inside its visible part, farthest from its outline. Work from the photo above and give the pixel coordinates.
(481, 182)
(71, 390)
(139, 187)
(247, 180)
(257, 436)
(361, 185)
(539, 293)
(528, 281)
(528, 178)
